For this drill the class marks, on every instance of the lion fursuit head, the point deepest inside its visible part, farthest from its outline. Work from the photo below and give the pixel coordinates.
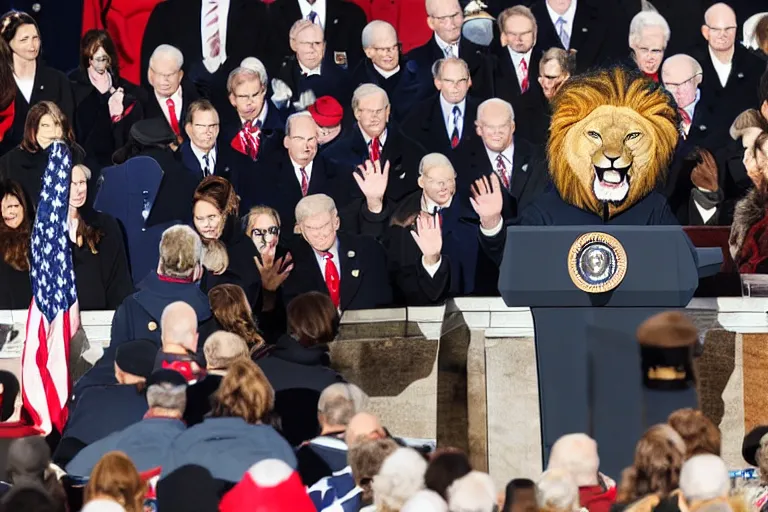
(612, 137)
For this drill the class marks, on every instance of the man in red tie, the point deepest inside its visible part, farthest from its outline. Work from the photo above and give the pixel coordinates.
(682, 75)
(517, 64)
(351, 269)
(648, 37)
(247, 89)
(165, 76)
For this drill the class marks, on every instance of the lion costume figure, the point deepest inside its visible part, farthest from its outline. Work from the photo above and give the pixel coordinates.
(612, 137)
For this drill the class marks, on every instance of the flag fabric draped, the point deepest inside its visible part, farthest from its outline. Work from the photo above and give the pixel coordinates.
(54, 315)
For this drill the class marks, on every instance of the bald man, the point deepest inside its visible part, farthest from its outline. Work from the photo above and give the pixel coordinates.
(731, 73)
(312, 66)
(179, 342)
(342, 24)
(577, 454)
(445, 18)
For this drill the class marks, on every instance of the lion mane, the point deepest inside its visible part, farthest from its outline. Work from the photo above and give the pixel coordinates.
(610, 119)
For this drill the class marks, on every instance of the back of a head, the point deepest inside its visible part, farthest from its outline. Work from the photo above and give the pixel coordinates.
(521, 492)
(181, 251)
(400, 477)
(444, 469)
(361, 427)
(28, 498)
(699, 433)
(28, 459)
(178, 325)
(576, 454)
(312, 319)
(115, 476)
(245, 393)
(473, 492)
(425, 501)
(223, 348)
(659, 456)
(557, 491)
(102, 505)
(339, 403)
(704, 477)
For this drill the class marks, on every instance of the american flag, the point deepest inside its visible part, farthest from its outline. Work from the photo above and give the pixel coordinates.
(54, 315)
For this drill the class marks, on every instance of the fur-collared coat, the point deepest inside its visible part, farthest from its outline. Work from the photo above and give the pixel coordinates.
(749, 240)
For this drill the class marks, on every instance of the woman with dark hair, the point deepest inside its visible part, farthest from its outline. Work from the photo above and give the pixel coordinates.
(231, 309)
(237, 434)
(26, 163)
(299, 365)
(35, 82)
(7, 94)
(98, 254)
(106, 104)
(229, 255)
(15, 233)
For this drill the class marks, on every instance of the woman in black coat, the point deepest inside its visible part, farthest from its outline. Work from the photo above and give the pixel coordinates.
(98, 255)
(35, 82)
(26, 163)
(15, 233)
(298, 367)
(229, 254)
(106, 105)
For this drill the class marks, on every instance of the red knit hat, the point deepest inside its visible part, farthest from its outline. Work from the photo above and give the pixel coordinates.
(269, 486)
(326, 111)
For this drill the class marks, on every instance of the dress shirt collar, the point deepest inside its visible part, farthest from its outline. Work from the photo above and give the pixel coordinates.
(177, 102)
(319, 7)
(508, 154)
(517, 57)
(309, 72)
(444, 45)
(723, 70)
(382, 138)
(568, 16)
(199, 153)
(334, 250)
(447, 108)
(429, 206)
(307, 168)
(386, 74)
(691, 109)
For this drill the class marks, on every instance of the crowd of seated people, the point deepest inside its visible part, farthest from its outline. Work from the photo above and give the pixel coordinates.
(246, 172)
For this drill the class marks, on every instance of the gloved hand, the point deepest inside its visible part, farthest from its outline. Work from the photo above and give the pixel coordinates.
(306, 99)
(704, 174)
(281, 93)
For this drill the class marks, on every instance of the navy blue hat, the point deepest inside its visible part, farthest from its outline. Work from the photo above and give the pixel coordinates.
(166, 376)
(137, 357)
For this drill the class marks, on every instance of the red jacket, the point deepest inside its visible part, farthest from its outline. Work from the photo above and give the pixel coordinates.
(409, 17)
(597, 499)
(125, 21)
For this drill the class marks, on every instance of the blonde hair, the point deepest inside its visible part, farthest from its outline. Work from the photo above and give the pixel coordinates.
(245, 393)
(366, 90)
(312, 205)
(223, 348)
(181, 250)
(433, 161)
(115, 476)
(255, 211)
(517, 10)
(556, 491)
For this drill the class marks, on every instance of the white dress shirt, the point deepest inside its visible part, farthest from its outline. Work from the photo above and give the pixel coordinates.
(447, 109)
(568, 16)
(508, 155)
(26, 85)
(444, 46)
(177, 105)
(706, 213)
(297, 172)
(368, 139)
(386, 74)
(334, 250)
(309, 72)
(199, 154)
(222, 12)
(319, 8)
(516, 58)
(723, 70)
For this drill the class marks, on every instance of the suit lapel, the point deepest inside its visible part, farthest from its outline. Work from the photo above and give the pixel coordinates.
(318, 180)
(291, 10)
(332, 20)
(520, 172)
(434, 124)
(190, 161)
(509, 72)
(351, 274)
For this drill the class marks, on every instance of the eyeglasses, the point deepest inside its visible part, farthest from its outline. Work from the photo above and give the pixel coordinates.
(250, 96)
(387, 49)
(721, 30)
(448, 18)
(206, 127)
(673, 87)
(166, 76)
(370, 112)
(101, 60)
(261, 233)
(460, 82)
(519, 35)
(656, 52)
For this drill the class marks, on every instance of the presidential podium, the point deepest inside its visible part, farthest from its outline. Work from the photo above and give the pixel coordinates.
(589, 288)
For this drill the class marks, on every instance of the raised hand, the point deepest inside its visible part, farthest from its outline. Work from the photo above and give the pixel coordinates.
(372, 181)
(429, 237)
(704, 174)
(115, 102)
(273, 271)
(487, 200)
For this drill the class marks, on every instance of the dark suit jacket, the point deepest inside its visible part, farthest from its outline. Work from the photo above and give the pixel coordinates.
(740, 91)
(599, 33)
(683, 16)
(405, 89)
(529, 173)
(229, 163)
(402, 153)
(344, 23)
(474, 55)
(364, 279)
(505, 83)
(425, 125)
(332, 81)
(188, 95)
(177, 22)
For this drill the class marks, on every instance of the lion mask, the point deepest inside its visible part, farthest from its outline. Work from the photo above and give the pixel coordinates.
(611, 139)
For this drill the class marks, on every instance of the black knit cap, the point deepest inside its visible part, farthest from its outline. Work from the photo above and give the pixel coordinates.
(152, 132)
(751, 444)
(189, 488)
(137, 357)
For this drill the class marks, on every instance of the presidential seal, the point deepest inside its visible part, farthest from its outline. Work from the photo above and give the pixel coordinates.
(597, 262)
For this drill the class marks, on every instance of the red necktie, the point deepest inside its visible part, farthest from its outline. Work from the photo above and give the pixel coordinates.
(304, 182)
(455, 134)
(332, 278)
(501, 169)
(250, 136)
(686, 121)
(375, 149)
(172, 116)
(524, 71)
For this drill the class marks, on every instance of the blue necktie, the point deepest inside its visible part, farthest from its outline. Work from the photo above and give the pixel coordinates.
(312, 16)
(564, 37)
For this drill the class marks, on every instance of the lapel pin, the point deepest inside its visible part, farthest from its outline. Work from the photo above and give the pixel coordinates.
(335, 21)
(355, 273)
(152, 326)
(584, 29)
(351, 254)
(524, 168)
(702, 127)
(402, 176)
(42, 87)
(740, 75)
